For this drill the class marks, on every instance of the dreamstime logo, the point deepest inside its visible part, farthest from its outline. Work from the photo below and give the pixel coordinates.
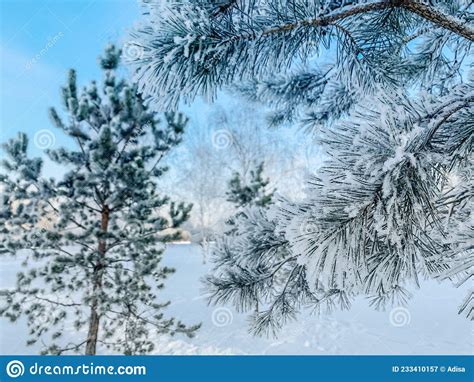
(44, 139)
(133, 140)
(133, 229)
(35, 239)
(48, 317)
(132, 51)
(15, 369)
(222, 139)
(399, 317)
(52, 41)
(136, 134)
(308, 228)
(222, 317)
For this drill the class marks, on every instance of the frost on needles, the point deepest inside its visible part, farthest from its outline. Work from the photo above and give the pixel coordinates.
(385, 88)
(93, 237)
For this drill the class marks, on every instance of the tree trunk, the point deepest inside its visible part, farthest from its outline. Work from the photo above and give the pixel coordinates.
(94, 320)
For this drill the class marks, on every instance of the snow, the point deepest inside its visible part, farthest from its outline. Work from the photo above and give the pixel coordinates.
(428, 325)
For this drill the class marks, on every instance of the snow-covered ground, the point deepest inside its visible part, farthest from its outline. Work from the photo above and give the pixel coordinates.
(428, 325)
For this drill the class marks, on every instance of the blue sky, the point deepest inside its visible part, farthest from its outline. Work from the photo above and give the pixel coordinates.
(40, 41)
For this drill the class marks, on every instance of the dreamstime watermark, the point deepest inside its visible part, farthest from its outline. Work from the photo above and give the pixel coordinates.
(133, 228)
(132, 51)
(44, 139)
(400, 317)
(51, 315)
(133, 138)
(222, 139)
(222, 317)
(15, 369)
(308, 228)
(52, 41)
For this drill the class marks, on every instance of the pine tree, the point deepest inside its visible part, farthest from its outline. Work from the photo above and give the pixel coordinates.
(91, 240)
(385, 88)
(252, 194)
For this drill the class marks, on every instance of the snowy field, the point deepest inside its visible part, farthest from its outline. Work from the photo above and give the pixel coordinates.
(428, 325)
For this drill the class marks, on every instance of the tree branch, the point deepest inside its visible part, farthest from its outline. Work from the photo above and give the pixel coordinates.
(428, 13)
(56, 302)
(438, 18)
(464, 103)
